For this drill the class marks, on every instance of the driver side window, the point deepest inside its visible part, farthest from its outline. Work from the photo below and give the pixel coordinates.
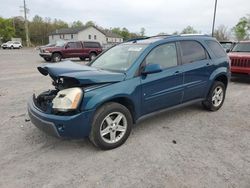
(71, 45)
(165, 55)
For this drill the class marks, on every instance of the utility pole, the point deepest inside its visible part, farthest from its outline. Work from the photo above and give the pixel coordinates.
(215, 7)
(26, 24)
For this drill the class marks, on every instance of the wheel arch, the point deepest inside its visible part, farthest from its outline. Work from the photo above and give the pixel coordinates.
(125, 101)
(58, 52)
(222, 78)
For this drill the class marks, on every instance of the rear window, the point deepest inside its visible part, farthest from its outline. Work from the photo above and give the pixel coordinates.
(216, 48)
(91, 45)
(192, 51)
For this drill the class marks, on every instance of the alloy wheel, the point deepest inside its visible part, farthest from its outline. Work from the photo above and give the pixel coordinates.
(217, 96)
(113, 127)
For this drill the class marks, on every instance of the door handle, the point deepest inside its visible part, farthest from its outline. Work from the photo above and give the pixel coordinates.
(177, 72)
(208, 64)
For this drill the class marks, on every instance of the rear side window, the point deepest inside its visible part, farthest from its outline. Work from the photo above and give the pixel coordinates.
(164, 55)
(91, 45)
(192, 51)
(216, 48)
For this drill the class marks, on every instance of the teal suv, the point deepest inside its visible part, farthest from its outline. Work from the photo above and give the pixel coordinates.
(102, 100)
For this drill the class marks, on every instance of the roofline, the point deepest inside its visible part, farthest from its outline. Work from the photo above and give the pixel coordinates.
(52, 33)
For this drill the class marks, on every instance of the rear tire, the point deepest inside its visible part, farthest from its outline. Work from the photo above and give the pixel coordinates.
(215, 97)
(111, 126)
(56, 57)
(92, 56)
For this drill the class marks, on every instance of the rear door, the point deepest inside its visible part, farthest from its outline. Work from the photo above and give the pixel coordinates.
(87, 48)
(163, 89)
(196, 67)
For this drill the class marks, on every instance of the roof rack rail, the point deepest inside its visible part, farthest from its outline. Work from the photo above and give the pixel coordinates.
(194, 34)
(136, 39)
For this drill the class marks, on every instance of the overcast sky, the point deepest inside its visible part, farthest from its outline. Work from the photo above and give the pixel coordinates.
(154, 15)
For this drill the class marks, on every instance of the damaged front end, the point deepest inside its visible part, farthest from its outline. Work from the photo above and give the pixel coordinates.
(59, 102)
(71, 80)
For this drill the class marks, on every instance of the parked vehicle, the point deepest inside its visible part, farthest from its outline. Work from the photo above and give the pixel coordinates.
(240, 59)
(227, 45)
(102, 100)
(12, 45)
(69, 49)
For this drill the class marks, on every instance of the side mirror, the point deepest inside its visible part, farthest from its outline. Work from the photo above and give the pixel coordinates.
(228, 50)
(151, 68)
(66, 46)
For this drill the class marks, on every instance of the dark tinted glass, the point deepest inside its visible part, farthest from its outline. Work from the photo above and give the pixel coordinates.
(91, 45)
(164, 55)
(192, 51)
(216, 48)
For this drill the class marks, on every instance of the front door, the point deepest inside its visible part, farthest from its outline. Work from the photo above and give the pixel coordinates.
(163, 89)
(72, 49)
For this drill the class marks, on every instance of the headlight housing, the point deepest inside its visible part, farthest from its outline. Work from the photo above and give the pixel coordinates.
(46, 51)
(67, 99)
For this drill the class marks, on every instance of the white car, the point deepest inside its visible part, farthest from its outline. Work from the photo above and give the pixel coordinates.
(12, 45)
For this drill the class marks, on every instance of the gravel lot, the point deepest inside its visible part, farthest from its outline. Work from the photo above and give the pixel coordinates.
(212, 149)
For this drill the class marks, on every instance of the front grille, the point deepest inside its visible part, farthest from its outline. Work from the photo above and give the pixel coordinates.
(240, 62)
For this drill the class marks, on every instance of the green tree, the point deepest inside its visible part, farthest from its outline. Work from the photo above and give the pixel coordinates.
(125, 33)
(241, 30)
(6, 29)
(142, 32)
(19, 30)
(189, 30)
(77, 23)
(90, 23)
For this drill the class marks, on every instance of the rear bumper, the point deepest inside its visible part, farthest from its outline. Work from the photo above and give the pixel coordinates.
(75, 126)
(46, 55)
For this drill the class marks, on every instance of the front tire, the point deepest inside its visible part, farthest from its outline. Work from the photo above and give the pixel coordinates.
(82, 58)
(47, 59)
(56, 57)
(215, 97)
(111, 126)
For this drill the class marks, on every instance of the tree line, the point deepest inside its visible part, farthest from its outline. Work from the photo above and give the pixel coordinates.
(40, 28)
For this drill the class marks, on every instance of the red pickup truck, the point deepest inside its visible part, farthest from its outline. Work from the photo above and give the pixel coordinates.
(240, 59)
(69, 49)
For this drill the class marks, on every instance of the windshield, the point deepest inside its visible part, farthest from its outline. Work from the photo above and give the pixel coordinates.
(60, 43)
(241, 47)
(120, 57)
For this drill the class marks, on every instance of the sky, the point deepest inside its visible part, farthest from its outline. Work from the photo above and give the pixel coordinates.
(155, 16)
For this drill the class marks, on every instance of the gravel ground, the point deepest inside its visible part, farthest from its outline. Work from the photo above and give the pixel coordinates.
(187, 147)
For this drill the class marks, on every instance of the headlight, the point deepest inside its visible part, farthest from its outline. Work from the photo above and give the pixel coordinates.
(67, 99)
(46, 51)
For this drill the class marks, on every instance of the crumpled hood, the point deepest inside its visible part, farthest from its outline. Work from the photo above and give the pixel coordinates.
(82, 73)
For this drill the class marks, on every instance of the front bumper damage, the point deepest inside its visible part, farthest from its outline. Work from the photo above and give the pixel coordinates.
(66, 126)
